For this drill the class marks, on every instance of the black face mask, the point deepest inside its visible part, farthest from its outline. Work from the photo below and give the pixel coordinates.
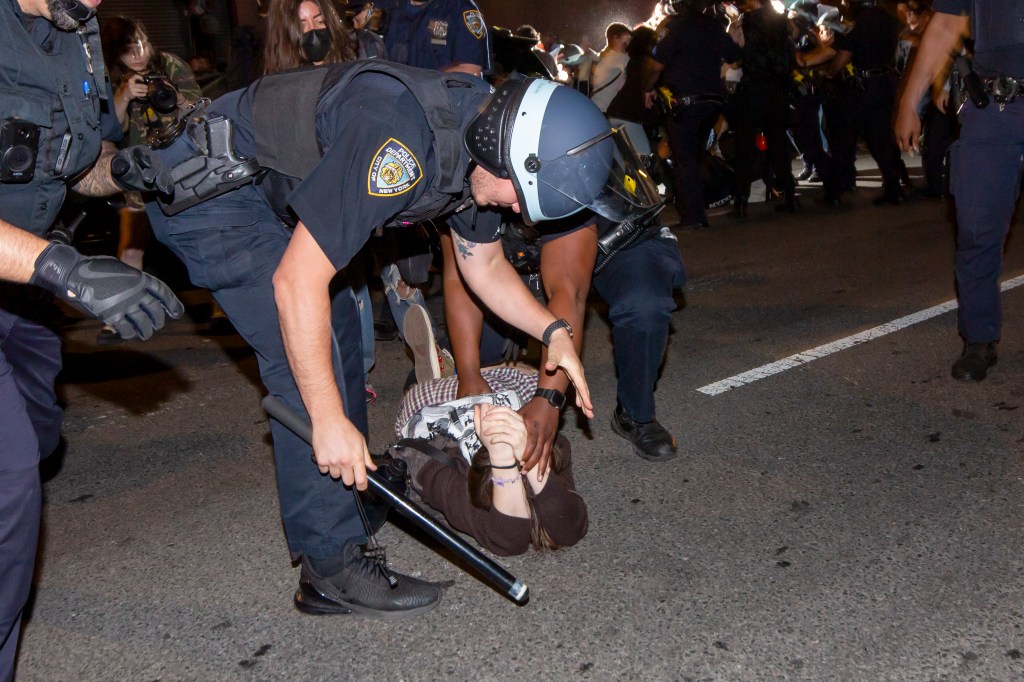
(316, 44)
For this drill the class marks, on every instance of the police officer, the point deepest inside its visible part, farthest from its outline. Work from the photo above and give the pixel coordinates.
(52, 126)
(761, 102)
(688, 62)
(398, 145)
(446, 35)
(870, 46)
(985, 164)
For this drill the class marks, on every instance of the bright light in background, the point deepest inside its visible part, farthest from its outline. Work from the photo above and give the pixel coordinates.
(778, 6)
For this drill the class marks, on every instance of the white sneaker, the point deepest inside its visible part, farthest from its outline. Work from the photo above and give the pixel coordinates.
(419, 335)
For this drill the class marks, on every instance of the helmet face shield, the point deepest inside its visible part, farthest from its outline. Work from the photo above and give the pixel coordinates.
(604, 174)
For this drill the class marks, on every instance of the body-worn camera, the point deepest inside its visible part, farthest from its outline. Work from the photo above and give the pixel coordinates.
(19, 146)
(162, 96)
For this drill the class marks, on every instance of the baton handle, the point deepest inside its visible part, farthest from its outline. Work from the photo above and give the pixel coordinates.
(490, 570)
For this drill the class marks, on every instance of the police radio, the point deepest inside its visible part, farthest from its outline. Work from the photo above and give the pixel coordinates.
(19, 146)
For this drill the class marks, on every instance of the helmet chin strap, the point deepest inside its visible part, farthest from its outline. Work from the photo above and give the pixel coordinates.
(77, 10)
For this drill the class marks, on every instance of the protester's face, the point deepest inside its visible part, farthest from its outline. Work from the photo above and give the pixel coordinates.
(310, 17)
(136, 57)
(490, 190)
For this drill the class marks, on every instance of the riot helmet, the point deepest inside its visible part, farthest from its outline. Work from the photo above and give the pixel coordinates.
(560, 153)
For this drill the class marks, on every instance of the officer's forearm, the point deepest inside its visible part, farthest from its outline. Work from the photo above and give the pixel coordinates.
(463, 316)
(18, 253)
(471, 69)
(303, 304)
(496, 283)
(98, 182)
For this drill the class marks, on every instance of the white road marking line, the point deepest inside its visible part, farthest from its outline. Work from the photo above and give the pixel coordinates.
(806, 356)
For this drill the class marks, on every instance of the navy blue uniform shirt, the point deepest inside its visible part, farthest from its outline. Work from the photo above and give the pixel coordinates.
(998, 31)
(693, 48)
(47, 79)
(872, 41)
(377, 162)
(437, 34)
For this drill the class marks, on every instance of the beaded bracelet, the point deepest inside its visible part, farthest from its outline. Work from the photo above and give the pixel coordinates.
(513, 465)
(505, 481)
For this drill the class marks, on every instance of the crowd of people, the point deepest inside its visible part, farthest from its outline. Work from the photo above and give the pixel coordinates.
(538, 177)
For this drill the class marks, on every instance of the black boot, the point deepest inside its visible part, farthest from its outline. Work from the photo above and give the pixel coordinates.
(974, 362)
(650, 440)
(789, 202)
(359, 582)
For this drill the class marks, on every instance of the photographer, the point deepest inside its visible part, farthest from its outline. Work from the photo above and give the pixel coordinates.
(151, 88)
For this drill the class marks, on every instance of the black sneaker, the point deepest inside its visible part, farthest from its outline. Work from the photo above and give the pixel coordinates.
(361, 583)
(650, 440)
(974, 362)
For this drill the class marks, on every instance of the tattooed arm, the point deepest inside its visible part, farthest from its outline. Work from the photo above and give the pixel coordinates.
(496, 283)
(97, 181)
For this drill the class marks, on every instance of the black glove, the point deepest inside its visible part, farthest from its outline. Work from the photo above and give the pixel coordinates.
(129, 300)
(140, 168)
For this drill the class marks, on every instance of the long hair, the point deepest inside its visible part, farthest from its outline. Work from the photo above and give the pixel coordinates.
(283, 47)
(118, 35)
(481, 489)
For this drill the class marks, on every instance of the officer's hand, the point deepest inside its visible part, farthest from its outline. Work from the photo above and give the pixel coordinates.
(907, 127)
(340, 450)
(940, 98)
(562, 354)
(141, 168)
(541, 419)
(130, 301)
(472, 383)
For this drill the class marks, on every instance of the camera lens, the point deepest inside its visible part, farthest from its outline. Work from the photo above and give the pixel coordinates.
(18, 159)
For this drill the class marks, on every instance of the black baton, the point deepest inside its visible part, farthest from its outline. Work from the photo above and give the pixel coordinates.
(491, 571)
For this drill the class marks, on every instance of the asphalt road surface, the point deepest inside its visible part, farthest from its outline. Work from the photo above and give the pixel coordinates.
(856, 516)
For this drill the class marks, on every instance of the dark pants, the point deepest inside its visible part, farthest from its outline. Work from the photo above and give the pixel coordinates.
(809, 141)
(985, 177)
(29, 428)
(688, 129)
(638, 286)
(841, 128)
(761, 108)
(232, 246)
(870, 113)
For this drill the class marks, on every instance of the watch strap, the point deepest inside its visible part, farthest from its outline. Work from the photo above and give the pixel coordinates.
(555, 397)
(554, 327)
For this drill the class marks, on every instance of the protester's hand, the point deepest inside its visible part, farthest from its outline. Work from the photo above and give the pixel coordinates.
(940, 98)
(562, 355)
(649, 97)
(132, 302)
(541, 419)
(500, 426)
(471, 383)
(340, 450)
(908, 127)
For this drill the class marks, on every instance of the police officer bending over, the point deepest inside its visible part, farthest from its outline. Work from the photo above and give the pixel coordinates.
(52, 125)
(985, 165)
(367, 144)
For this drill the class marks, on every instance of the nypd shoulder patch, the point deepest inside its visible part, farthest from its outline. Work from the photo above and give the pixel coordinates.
(475, 23)
(394, 170)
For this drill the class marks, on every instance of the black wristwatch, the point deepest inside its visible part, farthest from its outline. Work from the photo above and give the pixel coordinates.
(555, 397)
(554, 327)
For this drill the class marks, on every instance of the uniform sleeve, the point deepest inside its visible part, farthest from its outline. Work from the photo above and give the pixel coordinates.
(958, 7)
(373, 167)
(110, 128)
(480, 226)
(666, 47)
(467, 36)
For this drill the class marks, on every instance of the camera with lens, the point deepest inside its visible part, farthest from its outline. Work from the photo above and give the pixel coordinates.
(162, 96)
(19, 146)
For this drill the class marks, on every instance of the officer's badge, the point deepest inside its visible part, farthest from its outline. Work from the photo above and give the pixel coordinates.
(475, 23)
(438, 32)
(394, 170)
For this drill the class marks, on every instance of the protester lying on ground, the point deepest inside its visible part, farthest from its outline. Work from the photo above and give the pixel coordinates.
(465, 461)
